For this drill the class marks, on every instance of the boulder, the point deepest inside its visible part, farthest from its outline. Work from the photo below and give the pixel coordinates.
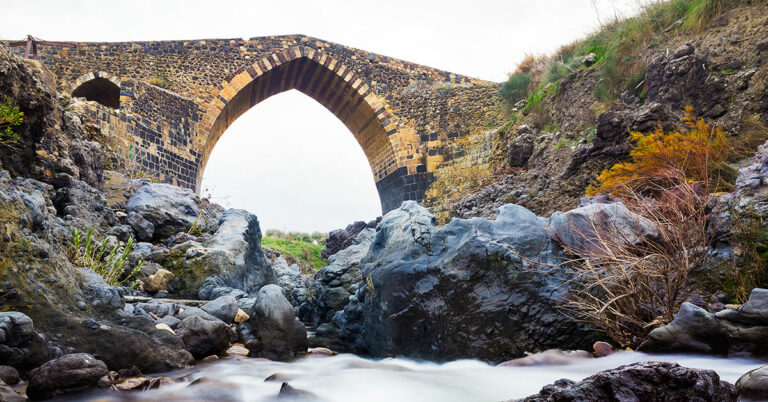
(224, 308)
(753, 386)
(473, 288)
(169, 208)
(68, 374)
(520, 149)
(651, 381)
(274, 332)
(232, 259)
(98, 293)
(737, 332)
(203, 337)
(143, 228)
(20, 345)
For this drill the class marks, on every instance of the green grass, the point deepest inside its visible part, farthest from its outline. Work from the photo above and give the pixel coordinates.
(305, 251)
(516, 87)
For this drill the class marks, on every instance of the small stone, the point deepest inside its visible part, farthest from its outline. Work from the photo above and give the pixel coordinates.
(241, 316)
(159, 281)
(132, 384)
(684, 50)
(105, 381)
(602, 349)
(237, 350)
(320, 352)
(165, 327)
(208, 359)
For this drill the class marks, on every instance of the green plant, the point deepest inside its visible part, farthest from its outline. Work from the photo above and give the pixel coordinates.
(302, 248)
(749, 269)
(196, 229)
(86, 252)
(552, 127)
(562, 143)
(516, 87)
(10, 117)
(160, 80)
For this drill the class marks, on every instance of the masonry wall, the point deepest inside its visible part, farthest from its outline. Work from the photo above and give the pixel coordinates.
(421, 109)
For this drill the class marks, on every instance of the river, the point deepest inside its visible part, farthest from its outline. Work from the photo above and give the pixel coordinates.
(351, 378)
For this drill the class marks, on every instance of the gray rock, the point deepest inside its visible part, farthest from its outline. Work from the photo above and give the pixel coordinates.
(233, 257)
(20, 345)
(169, 320)
(203, 337)
(223, 308)
(169, 208)
(273, 331)
(468, 289)
(68, 374)
(336, 282)
(293, 282)
(158, 308)
(121, 232)
(98, 293)
(735, 332)
(342, 238)
(650, 381)
(186, 312)
(520, 150)
(577, 229)
(143, 228)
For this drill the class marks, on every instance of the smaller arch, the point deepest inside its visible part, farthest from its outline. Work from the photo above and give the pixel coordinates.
(98, 86)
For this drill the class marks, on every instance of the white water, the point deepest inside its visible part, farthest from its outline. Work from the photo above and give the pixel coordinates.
(351, 378)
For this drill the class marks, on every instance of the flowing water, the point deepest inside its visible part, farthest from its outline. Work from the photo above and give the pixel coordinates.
(352, 378)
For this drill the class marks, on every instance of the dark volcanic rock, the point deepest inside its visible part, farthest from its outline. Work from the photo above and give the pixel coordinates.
(467, 289)
(740, 331)
(651, 381)
(20, 345)
(342, 238)
(68, 374)
(203, 337)
(273, 331)
(169, 208)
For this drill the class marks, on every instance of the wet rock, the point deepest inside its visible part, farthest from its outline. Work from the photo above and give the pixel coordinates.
(224, 308)
(651, 381)
(8, 394)
(290, 393)
(203, 337)
(159, 281)
(274, 331)
(320, 352)
(467, 289)
(169, 208)
(753, 386)
(132, 384)
(68, 374)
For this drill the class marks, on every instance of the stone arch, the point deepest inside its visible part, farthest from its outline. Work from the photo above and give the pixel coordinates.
(98, 86)
(319, 76)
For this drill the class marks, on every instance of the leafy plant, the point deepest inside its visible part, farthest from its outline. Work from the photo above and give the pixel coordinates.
(90, 254)
(160, 80)
(516, 87)
(749, 269)
(660, 159)
(196, 229)
(10, 117)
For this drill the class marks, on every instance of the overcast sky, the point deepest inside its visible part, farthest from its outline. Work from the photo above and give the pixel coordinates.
(288, 160)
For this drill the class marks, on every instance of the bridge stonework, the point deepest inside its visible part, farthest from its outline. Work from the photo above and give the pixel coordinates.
(172, 100)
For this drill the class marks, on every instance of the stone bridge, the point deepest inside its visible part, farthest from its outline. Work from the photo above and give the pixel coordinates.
(169, 102)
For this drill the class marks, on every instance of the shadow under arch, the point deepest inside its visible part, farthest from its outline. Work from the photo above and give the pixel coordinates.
(322, 78)
(98, 86)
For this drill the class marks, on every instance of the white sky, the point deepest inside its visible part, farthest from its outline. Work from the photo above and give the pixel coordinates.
(288, 160)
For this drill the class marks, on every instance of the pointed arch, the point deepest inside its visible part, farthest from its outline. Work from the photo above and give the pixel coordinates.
(321, 77)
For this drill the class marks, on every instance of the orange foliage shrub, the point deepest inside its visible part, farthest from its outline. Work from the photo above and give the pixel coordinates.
(661, 160)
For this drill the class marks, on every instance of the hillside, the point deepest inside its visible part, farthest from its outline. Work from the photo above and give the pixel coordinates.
(570, 113)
